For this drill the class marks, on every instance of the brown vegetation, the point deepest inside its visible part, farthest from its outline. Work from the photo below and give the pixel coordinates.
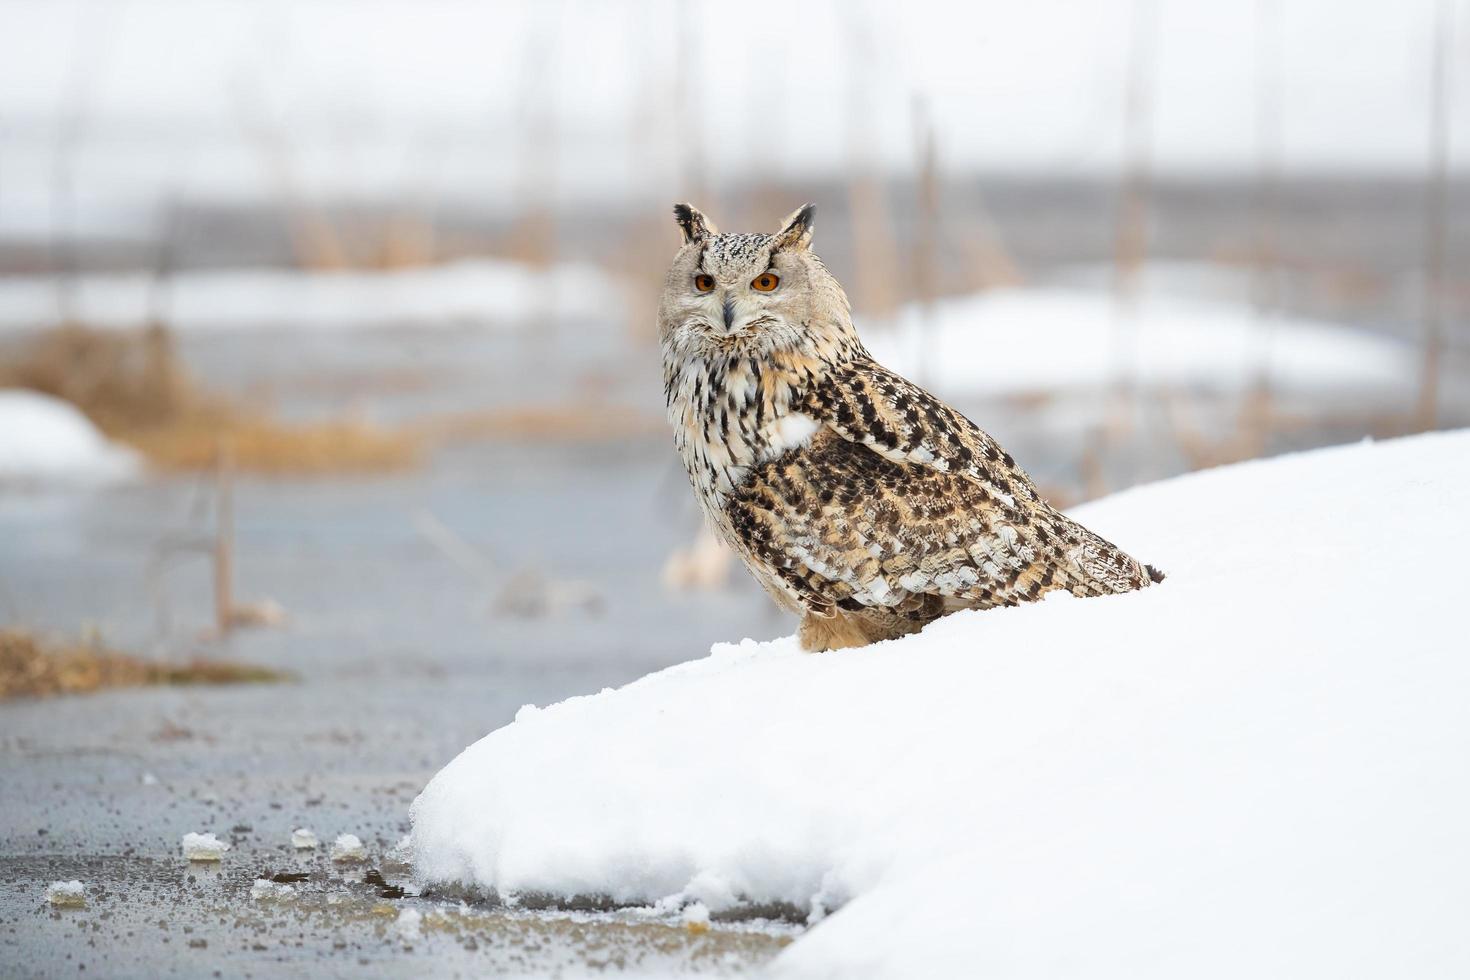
(567, 422)
(264, 445)
(34, 667)
(134, 387)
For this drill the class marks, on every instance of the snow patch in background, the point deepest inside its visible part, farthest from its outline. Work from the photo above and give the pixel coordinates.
(472, 292)
(47, 440)
(1010, 342)
(1254, 769)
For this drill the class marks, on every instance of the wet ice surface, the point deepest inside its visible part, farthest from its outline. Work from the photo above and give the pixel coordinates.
(149, 916)
(400, 665)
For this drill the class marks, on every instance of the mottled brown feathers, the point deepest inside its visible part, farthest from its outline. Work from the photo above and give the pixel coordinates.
(856, 498)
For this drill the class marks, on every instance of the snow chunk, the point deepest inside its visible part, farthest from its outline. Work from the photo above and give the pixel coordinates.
(348, 849)
(47, 440)
(67, 894)
(303, 839)
(204, 847)
(1262, 757)
(265, 890)
(409, 926)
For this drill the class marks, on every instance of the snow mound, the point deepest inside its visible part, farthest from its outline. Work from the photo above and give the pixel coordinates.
(1020, 341)
(303, 839)
(1255, 769)
(46, 440)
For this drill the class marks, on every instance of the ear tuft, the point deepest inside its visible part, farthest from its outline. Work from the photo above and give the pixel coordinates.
(694, 225)
(796, 230)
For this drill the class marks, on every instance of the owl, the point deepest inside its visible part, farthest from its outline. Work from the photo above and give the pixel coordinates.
(859, 501)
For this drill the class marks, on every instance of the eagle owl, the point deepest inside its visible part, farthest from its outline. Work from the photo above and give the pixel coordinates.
(858, 500)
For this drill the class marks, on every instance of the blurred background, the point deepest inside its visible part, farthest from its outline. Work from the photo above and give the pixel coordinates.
(362, 293)
(327, 343)
(331, 428)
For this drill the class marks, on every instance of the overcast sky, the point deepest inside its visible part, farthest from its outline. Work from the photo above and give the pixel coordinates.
(199, 96)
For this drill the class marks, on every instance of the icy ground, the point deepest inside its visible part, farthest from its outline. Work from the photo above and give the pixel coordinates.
(401, 658)
(47, 440)
(1256, 769)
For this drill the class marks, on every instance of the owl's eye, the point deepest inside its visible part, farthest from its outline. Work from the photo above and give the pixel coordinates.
(765, 282)
(704, 283)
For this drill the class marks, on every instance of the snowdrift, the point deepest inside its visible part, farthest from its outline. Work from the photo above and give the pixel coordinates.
(1020, 341)
(1257, 769)
(455, 294)
(46, 440)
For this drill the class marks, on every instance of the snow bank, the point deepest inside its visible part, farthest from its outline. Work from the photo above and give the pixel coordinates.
(1257, 768)
(1017, 341)
(46, 440)
(454, 294)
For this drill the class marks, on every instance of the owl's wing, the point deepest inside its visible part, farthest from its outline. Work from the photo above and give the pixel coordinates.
(868, 404)
(901, 502)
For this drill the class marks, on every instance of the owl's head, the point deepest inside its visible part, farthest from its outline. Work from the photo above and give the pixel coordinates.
(752, 295)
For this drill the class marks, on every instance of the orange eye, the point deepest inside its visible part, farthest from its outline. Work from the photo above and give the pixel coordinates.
(765, 282)
(704, 283)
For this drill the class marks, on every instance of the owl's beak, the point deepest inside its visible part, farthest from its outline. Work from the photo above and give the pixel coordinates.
(729, 313)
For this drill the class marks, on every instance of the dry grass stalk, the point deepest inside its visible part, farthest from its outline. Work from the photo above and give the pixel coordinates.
(34, 667)
(224, 536)
(926, 243)
(1131, 236)
(1436, 222)
(1248, 440)
(1258, 405)
(1094, 475)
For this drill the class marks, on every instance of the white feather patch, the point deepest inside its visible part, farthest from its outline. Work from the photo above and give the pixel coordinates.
(788, 432)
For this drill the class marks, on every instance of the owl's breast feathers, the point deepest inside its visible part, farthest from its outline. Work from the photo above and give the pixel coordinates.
(896, 507)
